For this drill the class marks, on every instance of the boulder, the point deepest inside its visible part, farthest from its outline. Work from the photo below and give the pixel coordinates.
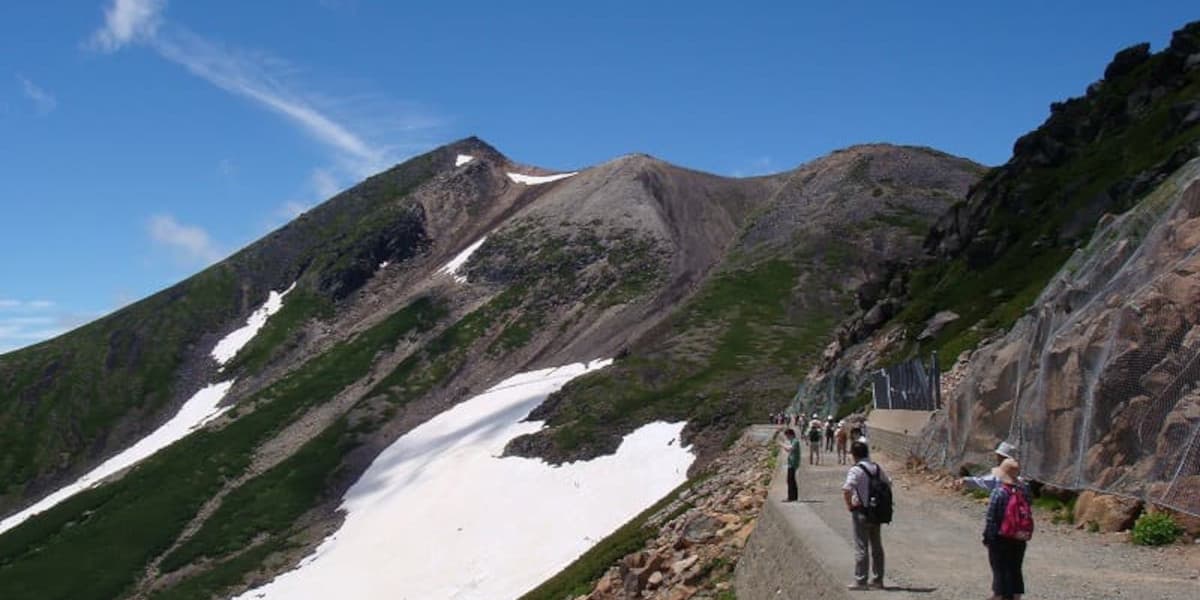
(1109, 513)
(682, 565)
(699, 530)
(936, 323)
(655, 579)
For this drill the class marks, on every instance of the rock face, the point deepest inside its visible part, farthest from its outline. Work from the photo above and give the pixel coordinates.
(989, 255)
(1126, 94)
(701, 534)
(1097, 383)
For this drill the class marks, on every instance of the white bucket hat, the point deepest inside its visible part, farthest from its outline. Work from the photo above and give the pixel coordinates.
(1007, 450)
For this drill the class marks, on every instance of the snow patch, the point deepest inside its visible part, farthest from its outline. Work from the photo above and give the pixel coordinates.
(231, 344)
(536, 179)
(201, 408)
(384, 264)
(456, 263)
(440, 515)
(463, 159)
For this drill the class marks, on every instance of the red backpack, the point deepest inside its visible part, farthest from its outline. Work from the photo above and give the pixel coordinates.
(1018, 517)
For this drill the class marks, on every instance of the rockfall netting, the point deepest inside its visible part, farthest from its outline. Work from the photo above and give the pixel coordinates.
(909, 385)
(1099, 383)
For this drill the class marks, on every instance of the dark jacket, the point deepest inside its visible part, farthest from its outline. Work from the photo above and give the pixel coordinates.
(997, 502)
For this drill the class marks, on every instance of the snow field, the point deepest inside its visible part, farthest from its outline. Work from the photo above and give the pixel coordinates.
(198, 410)
(231, 344)
(451, 268)
(463, 159)
(439, 515)
(536, 179)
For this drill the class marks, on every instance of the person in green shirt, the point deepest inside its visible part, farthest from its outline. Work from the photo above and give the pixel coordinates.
(792, 445)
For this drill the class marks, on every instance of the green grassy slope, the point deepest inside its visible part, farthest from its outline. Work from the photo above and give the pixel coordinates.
(70, 401)
(97, 543)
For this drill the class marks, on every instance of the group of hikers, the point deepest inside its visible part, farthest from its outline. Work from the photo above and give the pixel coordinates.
(867, 492)
(829, 433)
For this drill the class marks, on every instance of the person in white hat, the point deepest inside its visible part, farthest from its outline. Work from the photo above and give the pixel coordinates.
(815, 429)
(1007, 530)
(1004, 451)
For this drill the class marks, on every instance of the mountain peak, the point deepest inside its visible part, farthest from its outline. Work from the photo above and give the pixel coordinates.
(474, 147)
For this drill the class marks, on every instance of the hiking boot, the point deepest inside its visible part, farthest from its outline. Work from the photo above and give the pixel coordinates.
(877, 584)
(857, 587)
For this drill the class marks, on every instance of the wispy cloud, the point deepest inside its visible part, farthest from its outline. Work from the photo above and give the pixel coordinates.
(291, 210)
(25, 322)
(269, 83)
(128, 21)
(43, 102)
(11, 305)
(190, 244)
(324, 184)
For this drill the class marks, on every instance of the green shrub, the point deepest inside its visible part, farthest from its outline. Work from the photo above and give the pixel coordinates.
(1060, 512)
(1155, 529)
(978, 494)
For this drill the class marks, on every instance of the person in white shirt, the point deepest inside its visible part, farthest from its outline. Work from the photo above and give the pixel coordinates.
(866, 534)
(989, 481)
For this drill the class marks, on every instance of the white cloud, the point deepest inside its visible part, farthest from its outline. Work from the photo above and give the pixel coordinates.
(260, 80)
(12, 305)
(291, 210)
(127, 21)
(25, 322)
(43, 102)
(324, 184)
(337, 123)
(190, 243)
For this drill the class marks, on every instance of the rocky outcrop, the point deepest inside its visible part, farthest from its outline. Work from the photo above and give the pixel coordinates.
(1097, 382)
(1133, 83)
(1095, 154)
(701, 534)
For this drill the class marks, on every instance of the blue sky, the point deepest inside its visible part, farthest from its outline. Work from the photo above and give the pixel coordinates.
(143, 139)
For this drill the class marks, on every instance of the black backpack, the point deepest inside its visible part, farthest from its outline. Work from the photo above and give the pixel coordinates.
(878, 505)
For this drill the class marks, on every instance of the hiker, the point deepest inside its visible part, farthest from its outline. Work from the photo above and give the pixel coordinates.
(814, 440)
(868, 496)
(843, 438)
(830, 428)
(1007, 529)
(792, 445)
(1005, 451)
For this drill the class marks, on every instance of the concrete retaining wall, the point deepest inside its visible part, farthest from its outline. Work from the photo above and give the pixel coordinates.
(790, 555)
(892, 444)
(896, 432)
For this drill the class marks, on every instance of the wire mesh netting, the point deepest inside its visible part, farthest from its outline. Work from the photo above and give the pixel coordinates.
(909, 385)
(1098, 382)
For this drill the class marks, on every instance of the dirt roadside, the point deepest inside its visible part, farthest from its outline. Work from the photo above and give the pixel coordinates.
(934, 546)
